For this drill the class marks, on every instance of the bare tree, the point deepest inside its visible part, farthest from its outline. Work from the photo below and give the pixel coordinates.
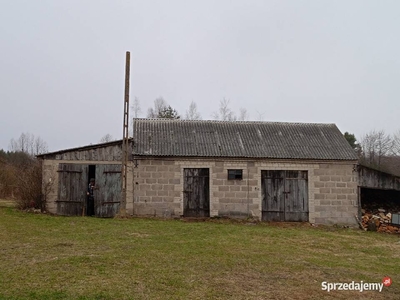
(159, 105)
(384, 145)
(243, 114)
(106, 138)
(192, 113)
(224, 113)
(260, 115)
(374, 146)
(39, 146)
(396, 143)
(27, 143)
(136, 110)
(21, 144)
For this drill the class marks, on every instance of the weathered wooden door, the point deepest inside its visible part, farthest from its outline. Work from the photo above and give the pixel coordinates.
(284, 195)
(72, 188)
(196, 192)
(107, 194)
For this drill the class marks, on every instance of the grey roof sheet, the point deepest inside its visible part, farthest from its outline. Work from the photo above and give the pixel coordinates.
(205, 138)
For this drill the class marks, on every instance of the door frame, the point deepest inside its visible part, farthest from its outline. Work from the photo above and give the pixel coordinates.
(283, 213)
(104, 207)
(208, 213)
(84, 174)
(71, 194)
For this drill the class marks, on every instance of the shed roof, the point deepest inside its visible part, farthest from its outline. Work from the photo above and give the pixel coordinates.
(206, 138)
(82, 148)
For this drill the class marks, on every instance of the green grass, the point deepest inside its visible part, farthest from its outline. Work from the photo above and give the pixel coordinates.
(48, 257)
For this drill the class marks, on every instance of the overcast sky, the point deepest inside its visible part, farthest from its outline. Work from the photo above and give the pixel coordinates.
(62, 63)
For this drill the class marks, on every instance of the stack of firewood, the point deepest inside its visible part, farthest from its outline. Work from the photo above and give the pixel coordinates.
(378, 220)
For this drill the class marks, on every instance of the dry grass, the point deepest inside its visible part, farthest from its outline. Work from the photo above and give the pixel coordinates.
(47, 257)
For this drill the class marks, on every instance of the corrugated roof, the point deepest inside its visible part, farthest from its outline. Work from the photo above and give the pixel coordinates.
(205, 138)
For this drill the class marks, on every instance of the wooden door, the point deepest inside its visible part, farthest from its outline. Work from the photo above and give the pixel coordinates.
(107, 193)
(72, 188)
(196, 192)
(284, 195)
(273, 188)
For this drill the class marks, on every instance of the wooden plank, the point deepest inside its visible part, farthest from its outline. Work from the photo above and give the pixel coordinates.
(62, 187)
(101, 153)
(296, 208)
(78, 201)
(71, 189)
(107, 195)
(291, 198)
(303, 194)
(272, 191)
(204, 192)
(188, 191)
(284, 195)
(276, 204)
(196, 192)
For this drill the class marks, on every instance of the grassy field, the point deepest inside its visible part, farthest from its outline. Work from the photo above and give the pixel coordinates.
(48, 257)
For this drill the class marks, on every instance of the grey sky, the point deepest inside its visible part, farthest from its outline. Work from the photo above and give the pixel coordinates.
(62, 63)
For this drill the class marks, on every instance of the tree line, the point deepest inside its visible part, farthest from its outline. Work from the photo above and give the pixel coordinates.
(162, 110)
(21, 179)
(21, 172)
(378, 150)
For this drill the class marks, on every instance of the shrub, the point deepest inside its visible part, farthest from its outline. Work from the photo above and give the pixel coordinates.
(29, 179)
(21, 179)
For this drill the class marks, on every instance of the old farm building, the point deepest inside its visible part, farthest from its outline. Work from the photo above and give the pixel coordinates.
(270, 171)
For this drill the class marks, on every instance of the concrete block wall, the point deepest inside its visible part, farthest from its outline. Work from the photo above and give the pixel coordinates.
(234, 198)
(50, 184)
(332, 189)
(335, 192)
(155, 187)
(158, 187)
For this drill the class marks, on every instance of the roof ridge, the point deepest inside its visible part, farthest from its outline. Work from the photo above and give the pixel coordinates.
(227, 122)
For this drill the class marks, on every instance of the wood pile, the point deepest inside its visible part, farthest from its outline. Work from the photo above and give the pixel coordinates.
(378, 220)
